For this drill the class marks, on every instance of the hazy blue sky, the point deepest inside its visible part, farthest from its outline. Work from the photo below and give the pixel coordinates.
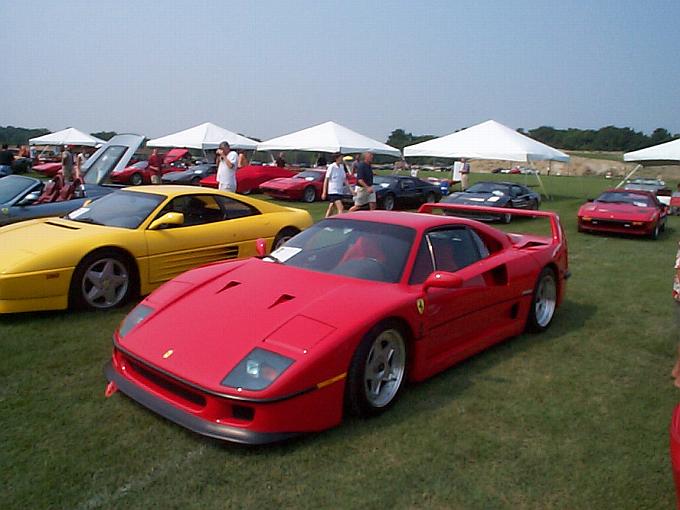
(266, 68)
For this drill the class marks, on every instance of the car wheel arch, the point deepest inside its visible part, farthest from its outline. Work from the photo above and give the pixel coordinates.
(135, 278)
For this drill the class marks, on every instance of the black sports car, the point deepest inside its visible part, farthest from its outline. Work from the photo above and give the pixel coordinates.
(398, 192)
(191, 175)
(496, 194)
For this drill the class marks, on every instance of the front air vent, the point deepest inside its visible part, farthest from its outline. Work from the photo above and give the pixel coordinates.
(229, 285)
(283, 298)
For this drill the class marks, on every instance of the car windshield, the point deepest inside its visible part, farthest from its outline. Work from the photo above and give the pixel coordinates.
(487, 187)
(625, 198)
(310, 175)
(358, 249)
(12, 186)
(125, 209)
(100, 168)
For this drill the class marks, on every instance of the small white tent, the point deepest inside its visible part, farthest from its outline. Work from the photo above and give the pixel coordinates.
(328, 137)
(667, 153)
(204, 136)
(68, 136)
(488, 140)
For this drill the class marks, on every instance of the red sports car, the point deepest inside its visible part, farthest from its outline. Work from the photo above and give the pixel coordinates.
(306, 186)
(339, 318)
(622, 211)
(139, 173)
(49, 169)
(249, 178)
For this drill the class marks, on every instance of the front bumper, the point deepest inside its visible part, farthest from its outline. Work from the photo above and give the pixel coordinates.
(616, 226)
(35, 291)
(185, 419)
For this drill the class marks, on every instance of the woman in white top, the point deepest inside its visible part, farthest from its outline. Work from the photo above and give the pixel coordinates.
(334, 185)
(227, 163)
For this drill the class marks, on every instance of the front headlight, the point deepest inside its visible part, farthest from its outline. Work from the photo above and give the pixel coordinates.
(493, 199)
(257, 370)
(137, 315)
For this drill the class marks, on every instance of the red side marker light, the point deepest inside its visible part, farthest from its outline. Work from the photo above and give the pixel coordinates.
(111, 388)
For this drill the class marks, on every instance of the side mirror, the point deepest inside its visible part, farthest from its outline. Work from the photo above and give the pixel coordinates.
(171, 218)
(30, 198)
(443, 280)
(87, 202)
(261, 247)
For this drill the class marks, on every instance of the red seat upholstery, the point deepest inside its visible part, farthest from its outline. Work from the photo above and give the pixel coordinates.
(364, 248)
(52, 190)
(68, 190)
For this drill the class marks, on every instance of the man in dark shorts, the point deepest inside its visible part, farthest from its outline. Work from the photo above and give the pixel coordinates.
(364, 190)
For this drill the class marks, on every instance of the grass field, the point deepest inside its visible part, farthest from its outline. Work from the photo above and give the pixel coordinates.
(573, 418)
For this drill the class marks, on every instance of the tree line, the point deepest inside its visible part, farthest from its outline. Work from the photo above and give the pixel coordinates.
(19, 136)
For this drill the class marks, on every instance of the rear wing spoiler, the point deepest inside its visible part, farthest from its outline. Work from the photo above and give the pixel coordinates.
(555, 225)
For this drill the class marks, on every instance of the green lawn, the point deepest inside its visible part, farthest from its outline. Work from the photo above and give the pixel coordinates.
(574, 418)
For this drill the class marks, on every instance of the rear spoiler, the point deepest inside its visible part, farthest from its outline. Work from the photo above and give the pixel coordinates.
(555, 225)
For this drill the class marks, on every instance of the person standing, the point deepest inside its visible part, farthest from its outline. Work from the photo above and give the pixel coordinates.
(227, 163)
(364, 189)
(280, 161)
(81, 158)
(6, 160)
(676, 297)
(464, 174)
(155, 167)
(334, 184)
(242, 159)
(67, 164)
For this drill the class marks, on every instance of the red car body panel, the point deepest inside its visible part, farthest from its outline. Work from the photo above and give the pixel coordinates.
(622, 218)
(141, 169)
(175, 367)
(48, 169)
(249, 178)
(674, 433)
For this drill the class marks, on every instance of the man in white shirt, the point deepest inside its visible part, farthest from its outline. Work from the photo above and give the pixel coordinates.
(334, 184)
(227, 163)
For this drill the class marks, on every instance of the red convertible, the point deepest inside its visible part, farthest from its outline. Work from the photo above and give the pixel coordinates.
(620, 211)
(139, 173)
(337, 319)
(249, 178)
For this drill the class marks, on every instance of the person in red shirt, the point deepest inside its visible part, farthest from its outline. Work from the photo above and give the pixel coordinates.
(155, 163)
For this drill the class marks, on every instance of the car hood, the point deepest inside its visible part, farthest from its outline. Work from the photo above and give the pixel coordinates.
(54, 250)
(476, 199)
(611, 210)
(212, 317)
(286, 183)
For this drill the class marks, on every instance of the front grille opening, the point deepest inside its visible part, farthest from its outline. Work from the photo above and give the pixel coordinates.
(166, 384)
(243, 412)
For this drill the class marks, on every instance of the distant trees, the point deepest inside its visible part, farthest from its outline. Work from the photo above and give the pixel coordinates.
(608, 138)
(400, 139)
(19, 136)
(104, 135)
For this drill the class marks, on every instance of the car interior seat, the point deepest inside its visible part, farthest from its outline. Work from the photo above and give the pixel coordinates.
(68, 190)
(52, 190)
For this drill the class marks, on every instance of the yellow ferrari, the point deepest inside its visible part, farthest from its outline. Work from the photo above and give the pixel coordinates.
(131, 241)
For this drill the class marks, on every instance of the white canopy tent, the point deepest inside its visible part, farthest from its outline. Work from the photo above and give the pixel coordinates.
(488, 140)
(667, 153)
(68, 136)
(204, 136)
(328, 137)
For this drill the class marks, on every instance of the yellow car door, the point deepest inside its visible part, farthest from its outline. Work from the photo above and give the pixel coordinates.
(210, 228)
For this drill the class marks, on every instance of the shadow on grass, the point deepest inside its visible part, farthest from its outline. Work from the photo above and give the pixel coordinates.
(63, 315)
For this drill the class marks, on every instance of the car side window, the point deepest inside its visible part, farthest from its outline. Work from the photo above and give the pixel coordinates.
(447, 250)
(517, 191)
(407, 184)
(197, 209)
(234, 209)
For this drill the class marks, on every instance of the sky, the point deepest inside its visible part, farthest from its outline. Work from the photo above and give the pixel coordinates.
(268, 68)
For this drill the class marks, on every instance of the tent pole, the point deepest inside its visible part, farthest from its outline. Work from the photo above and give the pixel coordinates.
(540, 181)
(637, 167)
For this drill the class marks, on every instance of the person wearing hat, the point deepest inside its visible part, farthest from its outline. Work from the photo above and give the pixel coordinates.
(334, 184)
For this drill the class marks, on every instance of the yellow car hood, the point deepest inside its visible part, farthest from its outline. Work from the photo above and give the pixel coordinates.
(46, 243)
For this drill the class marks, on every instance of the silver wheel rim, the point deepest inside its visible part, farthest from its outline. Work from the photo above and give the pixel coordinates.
(384, 368)
(105, 283)
(310, 195)
(136, 179)
(389, 203)
(546, 298)
(281, 241)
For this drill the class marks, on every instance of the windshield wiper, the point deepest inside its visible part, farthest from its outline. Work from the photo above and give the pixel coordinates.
(272, 258)
(85, 220)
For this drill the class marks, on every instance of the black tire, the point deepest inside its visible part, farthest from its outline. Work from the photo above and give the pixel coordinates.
(431, 197)
(368, 362)
(246, 192)
(283, 236)
(543, 302)
(656, 231)
(309, 195)
(506, 218)
(118, 286)
(389, 202)
(534, 205)
(136, 179)
(195, 180)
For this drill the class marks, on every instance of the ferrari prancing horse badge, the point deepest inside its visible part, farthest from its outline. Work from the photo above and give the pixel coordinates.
(420, 303)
